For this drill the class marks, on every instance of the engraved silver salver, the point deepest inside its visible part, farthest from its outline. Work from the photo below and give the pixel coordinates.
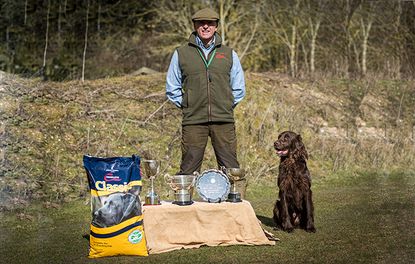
(213, 186)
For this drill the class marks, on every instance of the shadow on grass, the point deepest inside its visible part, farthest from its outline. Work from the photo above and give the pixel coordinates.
(86, 236)
(266, 220)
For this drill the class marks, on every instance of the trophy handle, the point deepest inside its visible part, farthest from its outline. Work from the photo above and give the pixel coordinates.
(167, 178)
(196, 174)
(223, 169)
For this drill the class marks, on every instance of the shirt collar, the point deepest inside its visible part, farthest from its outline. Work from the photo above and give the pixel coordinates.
(200, 43)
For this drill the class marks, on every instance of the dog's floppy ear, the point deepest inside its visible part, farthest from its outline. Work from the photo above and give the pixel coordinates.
(128, 197)
(300, 150)
(135, 190)
(129, 201)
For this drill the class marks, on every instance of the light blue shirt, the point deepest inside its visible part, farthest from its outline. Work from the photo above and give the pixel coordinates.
(174, 76)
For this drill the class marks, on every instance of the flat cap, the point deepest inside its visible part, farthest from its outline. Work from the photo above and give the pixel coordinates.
(205, 14)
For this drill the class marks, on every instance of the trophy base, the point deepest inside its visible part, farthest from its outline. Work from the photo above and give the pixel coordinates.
(234, 197)
(181, 203)
(152, 200)
(151, 204)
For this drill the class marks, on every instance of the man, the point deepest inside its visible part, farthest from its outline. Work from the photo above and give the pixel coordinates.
(205, 79)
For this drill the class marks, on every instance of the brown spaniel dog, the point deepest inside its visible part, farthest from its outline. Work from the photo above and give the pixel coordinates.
(294, 207)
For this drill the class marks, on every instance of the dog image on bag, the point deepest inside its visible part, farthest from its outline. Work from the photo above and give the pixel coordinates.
(116, 208)
(294, 207)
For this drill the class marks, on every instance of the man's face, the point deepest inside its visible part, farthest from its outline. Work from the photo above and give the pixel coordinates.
(205, 29)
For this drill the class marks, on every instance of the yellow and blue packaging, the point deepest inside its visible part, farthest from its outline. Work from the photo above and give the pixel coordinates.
(117, 221)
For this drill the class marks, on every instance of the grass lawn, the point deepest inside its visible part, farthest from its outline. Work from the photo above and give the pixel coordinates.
(360, 218)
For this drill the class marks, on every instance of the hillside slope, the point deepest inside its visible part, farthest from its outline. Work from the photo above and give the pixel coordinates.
(46, 127)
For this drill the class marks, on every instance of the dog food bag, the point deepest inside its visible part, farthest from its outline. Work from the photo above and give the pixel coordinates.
(117, 221)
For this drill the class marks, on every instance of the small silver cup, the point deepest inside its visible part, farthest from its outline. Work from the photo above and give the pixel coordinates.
(152, 169)
(234, 174)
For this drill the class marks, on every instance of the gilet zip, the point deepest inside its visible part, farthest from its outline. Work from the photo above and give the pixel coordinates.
(208, 80)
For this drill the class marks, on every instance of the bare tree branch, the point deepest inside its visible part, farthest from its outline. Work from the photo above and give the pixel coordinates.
(47, 36)
(86, 42)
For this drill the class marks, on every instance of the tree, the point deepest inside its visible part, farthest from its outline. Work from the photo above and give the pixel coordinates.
(284, 18)
(367, 12)
(173, 24)
(239, 24)
(350, 8)
(344, 37)
(86, 41)
(46, 37)
(315, 13)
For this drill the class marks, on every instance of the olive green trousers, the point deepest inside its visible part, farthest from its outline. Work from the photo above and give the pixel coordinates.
(194, 141)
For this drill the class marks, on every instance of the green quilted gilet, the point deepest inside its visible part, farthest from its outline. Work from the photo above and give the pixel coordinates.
(207, 94)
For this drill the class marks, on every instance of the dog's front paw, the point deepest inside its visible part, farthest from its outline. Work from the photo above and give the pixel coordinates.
(289, 229)
(310, 229)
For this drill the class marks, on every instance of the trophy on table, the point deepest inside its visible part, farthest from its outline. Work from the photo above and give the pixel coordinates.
(152, 169)
(182, 186)
(234, 174)
(213, 186)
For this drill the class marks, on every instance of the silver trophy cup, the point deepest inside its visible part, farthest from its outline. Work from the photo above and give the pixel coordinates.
(152, 169)
(182, 185)
(234, 174)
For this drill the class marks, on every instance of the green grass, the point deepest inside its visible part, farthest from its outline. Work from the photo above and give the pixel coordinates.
(360, 218)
